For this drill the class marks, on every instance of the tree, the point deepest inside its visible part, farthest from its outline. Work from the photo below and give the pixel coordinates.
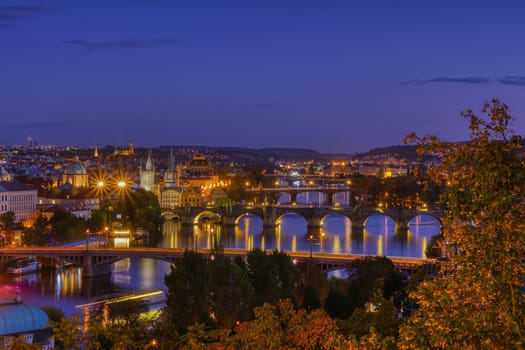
(8, 220)
(476, 298)
(38, 233)
(188, 295)
(273, 276)
(232, 295)
(280, 326)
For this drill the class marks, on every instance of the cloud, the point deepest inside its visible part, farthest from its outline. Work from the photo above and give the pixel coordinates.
(122, 44)
(41, 124)
(513, 80)
(17, 12)
(460, 80)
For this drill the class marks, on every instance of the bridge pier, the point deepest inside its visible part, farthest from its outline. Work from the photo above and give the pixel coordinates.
(401, 225)
(228, 221)
(330, 199)
(90, 270)
(314, 222)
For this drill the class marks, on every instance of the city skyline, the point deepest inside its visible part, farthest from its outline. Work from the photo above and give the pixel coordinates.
(333, 76)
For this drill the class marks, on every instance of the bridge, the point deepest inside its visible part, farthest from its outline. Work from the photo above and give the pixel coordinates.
(271, 215)
(328, 191)
(97, 261)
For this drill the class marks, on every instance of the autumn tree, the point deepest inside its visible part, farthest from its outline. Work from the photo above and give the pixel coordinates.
(476, 301)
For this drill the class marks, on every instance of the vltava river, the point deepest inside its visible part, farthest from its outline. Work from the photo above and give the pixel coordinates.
(67, 289)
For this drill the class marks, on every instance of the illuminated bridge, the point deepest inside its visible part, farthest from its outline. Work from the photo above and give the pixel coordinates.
(271, 215)
(97, 261)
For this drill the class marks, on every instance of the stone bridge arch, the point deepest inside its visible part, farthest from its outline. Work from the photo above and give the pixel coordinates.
(210, 214)
(238, 217)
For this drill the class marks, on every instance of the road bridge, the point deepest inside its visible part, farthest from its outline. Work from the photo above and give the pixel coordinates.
(96, 261)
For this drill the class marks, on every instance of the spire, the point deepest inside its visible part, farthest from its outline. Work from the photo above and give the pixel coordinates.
(171, 161)
(149, 162)
(96, 151)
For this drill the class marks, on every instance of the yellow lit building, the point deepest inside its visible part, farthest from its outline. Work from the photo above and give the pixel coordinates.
(75, 174)
(190, 197)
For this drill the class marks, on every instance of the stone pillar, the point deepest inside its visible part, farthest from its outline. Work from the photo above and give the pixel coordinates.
(293, 197)
(228, 220)
(330, 198)
(269, 216)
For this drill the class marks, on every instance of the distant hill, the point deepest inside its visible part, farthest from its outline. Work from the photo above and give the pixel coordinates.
(400, 152)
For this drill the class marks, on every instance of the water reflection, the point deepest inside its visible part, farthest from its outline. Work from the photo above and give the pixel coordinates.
(67, 288)
(378, 237)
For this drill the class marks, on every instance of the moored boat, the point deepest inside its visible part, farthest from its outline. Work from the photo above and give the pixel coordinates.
(24, 266)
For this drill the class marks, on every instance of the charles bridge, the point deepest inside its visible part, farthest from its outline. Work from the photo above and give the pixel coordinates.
(314, 215)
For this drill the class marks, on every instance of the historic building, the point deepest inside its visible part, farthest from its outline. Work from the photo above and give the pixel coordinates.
(190, 197)
(125, 152)
(170, 197)
(198, 172)
(170, 175)
(4, 174)
(149, 178)
(75, 174)
(22, 320)
(170, 194)
(18, 198)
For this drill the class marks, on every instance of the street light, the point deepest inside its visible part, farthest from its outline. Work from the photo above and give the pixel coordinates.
(311, 239)
(322, 243)
(87, 239)
(106, 231)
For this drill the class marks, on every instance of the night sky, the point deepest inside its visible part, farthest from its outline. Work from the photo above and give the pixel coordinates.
(334, 76)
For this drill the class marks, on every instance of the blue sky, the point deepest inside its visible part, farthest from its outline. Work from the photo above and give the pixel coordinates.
(335, 76)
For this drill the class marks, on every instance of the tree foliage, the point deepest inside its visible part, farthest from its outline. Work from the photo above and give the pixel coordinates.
(476, 299)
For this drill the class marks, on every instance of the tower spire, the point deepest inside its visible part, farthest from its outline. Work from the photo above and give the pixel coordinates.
(149, 162)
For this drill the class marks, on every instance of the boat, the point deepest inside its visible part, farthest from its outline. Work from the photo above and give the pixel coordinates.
(24, 266)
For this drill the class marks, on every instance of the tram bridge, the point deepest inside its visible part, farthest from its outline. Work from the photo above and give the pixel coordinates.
(97, 261)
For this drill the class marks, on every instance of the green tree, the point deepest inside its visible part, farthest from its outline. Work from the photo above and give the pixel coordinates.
(273, 276)
(232, 295)
(8, 221)
(68, 333)
(37, 235)
(188, 295)
(476, 299)
(67, 227)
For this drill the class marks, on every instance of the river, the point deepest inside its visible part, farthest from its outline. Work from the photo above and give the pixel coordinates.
(67, 289)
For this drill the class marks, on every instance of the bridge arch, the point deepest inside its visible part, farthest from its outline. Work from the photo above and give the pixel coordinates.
(379, 214)
(171, 215)
(207, 214)
(425, 222)
(335, 215)
(239, 217)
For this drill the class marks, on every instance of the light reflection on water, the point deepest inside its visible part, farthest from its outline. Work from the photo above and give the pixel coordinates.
(67, 288)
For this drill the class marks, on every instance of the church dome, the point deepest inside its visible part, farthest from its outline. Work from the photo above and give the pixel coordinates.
(20, 318)
(75, 168)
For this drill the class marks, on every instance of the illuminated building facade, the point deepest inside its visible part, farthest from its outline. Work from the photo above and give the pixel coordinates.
(149, 178)
(75, 174)
(20, 199)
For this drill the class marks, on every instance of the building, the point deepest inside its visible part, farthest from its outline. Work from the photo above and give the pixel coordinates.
(170, 197)
(21, 320)
(190, 196)
(170, 175)
(4, 174)
(75, 174)
(125, 152)
(20, 199)
(198, 173)
(149, 178)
